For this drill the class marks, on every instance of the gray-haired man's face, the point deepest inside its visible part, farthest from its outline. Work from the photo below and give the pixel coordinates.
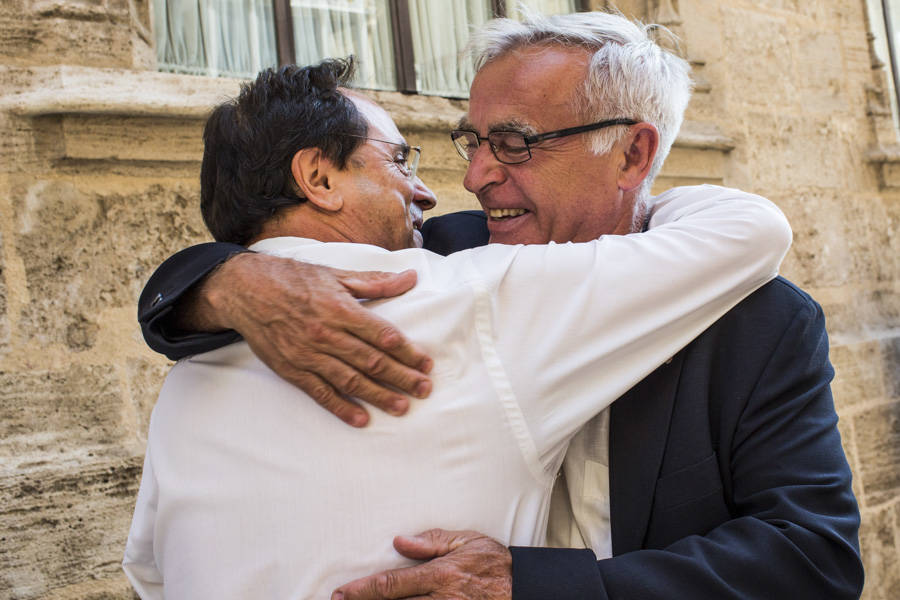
(565, 192)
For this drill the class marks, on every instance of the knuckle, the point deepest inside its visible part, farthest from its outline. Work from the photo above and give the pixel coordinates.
(386, 582)
(353, 383)
(321, 392)
(389, 338)
(377, 363)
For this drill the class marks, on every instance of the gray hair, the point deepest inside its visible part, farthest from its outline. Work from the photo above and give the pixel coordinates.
(630, 75)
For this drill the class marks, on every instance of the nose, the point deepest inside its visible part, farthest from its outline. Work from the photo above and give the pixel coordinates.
(484, 169)
(423, 197)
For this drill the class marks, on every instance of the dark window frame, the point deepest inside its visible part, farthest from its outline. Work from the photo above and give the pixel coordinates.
(404, 60)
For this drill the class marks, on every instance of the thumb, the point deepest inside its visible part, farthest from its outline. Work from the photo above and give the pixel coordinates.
(376, 284)
(429, 544)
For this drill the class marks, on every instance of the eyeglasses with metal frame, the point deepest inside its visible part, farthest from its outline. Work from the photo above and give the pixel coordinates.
(514, 147)
(408, 161)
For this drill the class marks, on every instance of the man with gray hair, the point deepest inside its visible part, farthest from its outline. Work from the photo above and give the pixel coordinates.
(719, 475)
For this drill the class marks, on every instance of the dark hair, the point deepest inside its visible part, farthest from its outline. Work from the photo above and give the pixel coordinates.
(249, 141)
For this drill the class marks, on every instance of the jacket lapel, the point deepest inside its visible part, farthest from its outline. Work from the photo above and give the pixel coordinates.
(638, 431)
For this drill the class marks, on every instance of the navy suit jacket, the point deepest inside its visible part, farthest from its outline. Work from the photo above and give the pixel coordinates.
(727, 476)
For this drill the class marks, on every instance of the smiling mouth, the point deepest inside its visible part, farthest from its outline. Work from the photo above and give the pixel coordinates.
(500, 214)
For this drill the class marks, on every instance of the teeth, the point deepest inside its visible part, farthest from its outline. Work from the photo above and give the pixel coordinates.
(498, 213)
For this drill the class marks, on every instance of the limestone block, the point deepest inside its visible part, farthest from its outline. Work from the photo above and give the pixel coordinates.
(694, 164)
(820, 254)
(757, 55)
(46, 414)
(891, 350)
(820, 72)
(75, 32)
(863, 310)
(782, 151)
(841, 238)
(879, 452)
(63, 526)
(116, 587)
(85, 250)
(145, 379)
(878, 542)
(890, 174)
(132, 138)
(4, 316)
(860, 373)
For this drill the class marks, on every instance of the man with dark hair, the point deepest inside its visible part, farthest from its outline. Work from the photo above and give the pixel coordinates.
(249, 490)
(245, 177)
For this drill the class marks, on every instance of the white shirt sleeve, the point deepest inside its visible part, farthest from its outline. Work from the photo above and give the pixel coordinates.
(139, 562)
(582, 323)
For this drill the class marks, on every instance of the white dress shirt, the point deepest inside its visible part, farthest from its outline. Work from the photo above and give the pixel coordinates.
(251, 490)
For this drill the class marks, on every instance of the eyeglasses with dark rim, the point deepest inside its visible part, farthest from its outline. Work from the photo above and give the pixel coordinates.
(514, 147)
(409, 160)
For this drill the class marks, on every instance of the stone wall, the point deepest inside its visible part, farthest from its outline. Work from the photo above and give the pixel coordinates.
(98, 183)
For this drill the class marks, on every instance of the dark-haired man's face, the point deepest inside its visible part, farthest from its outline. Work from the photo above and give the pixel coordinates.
(387, 204)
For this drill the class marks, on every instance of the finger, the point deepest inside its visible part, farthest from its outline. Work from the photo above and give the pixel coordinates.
(326, 396)
(376, 331)
(380, 367)
(397, 583)
(382, 335)
(325, 348)
(349, 382)
(377, 284)
(432, 543)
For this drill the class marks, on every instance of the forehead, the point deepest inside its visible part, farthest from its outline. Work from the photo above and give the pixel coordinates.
(381, 125)
(534, 87)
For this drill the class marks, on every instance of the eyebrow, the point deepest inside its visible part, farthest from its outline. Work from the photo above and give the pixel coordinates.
(515, 125)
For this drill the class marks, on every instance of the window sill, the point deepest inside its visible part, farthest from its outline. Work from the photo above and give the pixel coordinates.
(71, 90)
(103, 111)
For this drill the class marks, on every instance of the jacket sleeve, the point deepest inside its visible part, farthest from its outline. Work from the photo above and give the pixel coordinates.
(793, 523)
(157, 304)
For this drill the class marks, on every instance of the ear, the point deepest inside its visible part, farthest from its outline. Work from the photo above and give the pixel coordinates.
(639, 151)
(314, 175)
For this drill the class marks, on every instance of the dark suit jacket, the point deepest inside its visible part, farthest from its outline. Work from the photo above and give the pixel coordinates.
(727, 476)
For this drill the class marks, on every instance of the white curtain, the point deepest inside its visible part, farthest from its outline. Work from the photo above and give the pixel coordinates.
(234, 38)
(237, 37)
(546, 7)
(338, 28)
(440, 31)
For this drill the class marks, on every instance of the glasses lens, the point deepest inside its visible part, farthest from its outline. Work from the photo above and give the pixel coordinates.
(509, 146)
(466, 143)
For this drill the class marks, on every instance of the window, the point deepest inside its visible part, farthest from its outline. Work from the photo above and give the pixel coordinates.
(406, 45)
(884, 21)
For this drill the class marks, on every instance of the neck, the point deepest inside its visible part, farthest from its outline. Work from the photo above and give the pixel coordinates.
(295, 222)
